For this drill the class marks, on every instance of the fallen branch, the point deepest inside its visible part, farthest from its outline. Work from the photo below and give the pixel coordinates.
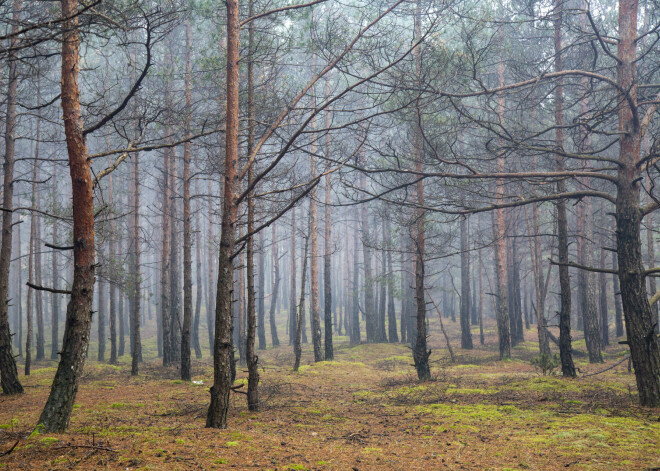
(93, 447)
(5, 453)
(608, 368)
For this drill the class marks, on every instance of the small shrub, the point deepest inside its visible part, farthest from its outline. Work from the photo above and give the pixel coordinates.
(546, 363)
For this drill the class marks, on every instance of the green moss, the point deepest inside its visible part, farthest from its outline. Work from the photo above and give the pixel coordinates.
(460, 391)
(122, 405)
(410, 389)
(233, 443)
(363, 394)
(220, 461)
(49, 440)
(38, 430)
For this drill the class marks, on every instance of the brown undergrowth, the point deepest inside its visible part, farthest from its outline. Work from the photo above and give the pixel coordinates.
(363, 411)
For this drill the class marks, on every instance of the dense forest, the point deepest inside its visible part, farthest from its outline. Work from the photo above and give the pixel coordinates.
(382, 234)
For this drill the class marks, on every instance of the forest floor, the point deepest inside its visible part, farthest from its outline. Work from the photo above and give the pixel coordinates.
(363, 411)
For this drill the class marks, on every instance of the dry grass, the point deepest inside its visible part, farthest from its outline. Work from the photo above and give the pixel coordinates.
(363, 411)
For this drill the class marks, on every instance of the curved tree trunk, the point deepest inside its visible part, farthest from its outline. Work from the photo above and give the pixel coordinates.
(56, 413)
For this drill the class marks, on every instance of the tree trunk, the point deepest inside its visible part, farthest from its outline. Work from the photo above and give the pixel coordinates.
(391, 310)
(466, 335)
(502, 311)
(35, 242)
(187, 229)
(618, 309)
(250, 354)
(252, 359)
(56, 413)
(404, 303)
(275, 291)
(136, 345)
(592, 331)
(30, 298)
(650, 251)
(222, 351)
(122, 328)
(539, 285)
(102, 305)
(481, 302)
(565, 349)
(8, 370)
(240, 309)
(261, 299)
(297, 347)
(113, 290)
(165, 263)
(369, 311)
(19, 300)
(32, 295)
(419, 348)
(55, 298)
(644, 348)
(175, 299)
(327, 256)
(38, 298)
(293, 318)
(382, 297)
(210, 292)
(602, 279)
(315, 308)
(355, 305)
(517, 333)
(198, 275)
